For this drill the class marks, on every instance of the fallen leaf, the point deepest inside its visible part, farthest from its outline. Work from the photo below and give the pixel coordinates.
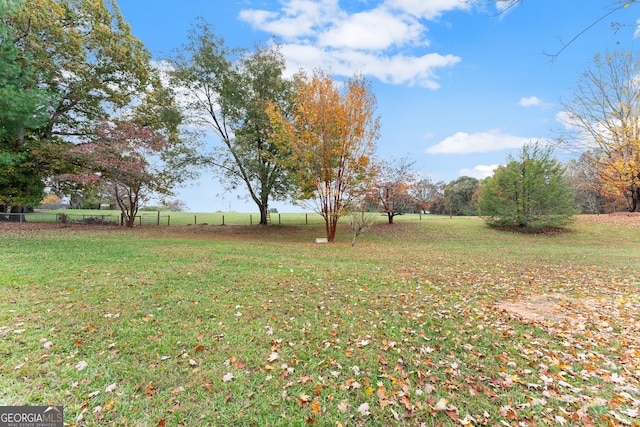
(315, 405)
(149, 390)
(441, 405)
(227, 377)
(304, 399)
(364, 409)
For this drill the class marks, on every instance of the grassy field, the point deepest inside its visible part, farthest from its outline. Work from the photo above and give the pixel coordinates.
(434, 322)
(146, 218)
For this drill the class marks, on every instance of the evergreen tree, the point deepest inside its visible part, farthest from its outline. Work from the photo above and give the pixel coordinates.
(529, 192)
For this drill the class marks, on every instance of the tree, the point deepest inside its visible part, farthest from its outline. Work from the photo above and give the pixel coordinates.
(459, 195)
(604, 120)
(23, 107)
(392, 186)
(529, 192)
(229, 93)
(72, 64)
(120, 155)
(331, 135)
(429, 195)
(360, 222)
(86, 55)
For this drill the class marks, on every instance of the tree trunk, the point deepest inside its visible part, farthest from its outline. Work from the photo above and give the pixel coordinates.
(130, 221)
(390, 217)
(333, 226)
(264, 213)
(633, 201)
(636, 201)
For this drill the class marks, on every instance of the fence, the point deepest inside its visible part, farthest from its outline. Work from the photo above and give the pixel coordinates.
(146, 218)
(84, 218)
(159, 218)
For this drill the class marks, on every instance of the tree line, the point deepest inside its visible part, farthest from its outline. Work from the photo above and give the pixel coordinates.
(86, 114)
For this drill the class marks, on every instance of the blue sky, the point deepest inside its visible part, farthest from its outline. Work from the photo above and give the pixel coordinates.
(459, 86)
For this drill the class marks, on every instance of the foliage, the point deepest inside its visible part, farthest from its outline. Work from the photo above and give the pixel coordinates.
(528, 192)
(23, 108)
(459, 195)
(167, 205)
(605, 119)
(86, 56)
(392, 187)
(71, 64)
(256, 326)
(120, 155)
(590, 194)
(429, 195)
(331, 135)
(229, 91)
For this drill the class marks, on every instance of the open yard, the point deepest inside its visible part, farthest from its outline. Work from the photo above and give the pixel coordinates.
(434, 322)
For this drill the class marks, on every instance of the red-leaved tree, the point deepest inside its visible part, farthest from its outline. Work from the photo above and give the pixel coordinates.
(126, 157)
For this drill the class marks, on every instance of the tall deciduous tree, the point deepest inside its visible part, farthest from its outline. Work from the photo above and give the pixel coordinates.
(229, 91)
(528, 192)
(86, 55)
(331, 133)
(392, 187)
(86, 62)
(605, 119)
(459, 195)
(429, 195)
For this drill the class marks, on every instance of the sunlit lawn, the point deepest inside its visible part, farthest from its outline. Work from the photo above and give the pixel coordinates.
(249, 325)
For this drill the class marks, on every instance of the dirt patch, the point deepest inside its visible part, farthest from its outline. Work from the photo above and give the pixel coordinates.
(553, 307)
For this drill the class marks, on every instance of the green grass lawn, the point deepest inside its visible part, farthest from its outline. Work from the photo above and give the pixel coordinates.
(432, 321)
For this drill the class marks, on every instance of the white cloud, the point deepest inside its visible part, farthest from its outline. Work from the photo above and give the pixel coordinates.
(363, 31)
(297, 18)
(398, 69)
(428, 9)
(479, 171)
(565, 119)
(378, 41)
(530, 101)
(480, 142)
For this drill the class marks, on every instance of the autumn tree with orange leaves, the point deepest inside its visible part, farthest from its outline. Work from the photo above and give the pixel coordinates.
(604, 118)
(331, 133)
